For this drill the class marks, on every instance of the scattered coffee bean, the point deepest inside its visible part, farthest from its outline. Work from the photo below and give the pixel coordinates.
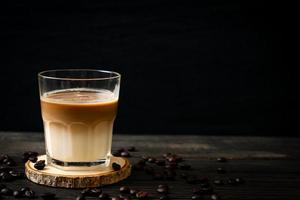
(218, 182)
(124, 196)
(28, 154)
(142, 195)
(185, 167)
(33, 159)
(162, 189)
(133, 192)
(164, 197)
(221, 159)
(39, 165)
(125, 154)
(24, 189)
(230, 181)
(104, 196)
(115, 198)
(94, 192)
(214, 197)
(48, 196)
(239, 180)
(17, 194)
(205, 185)
(6, 191)
(196, 197)
(29, 194)
(151, 160)
(80, 197)
(6, 176)
(2, 186)
(132, 148)
(125, 189)
(16, 174)
(116, 166)
(85, 191)
(145, 158)
(221, 170)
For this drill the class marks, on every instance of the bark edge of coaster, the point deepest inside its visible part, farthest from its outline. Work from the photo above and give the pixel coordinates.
(54, 177)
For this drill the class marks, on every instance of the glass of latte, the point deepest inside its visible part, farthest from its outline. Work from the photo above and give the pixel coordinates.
(78, 108)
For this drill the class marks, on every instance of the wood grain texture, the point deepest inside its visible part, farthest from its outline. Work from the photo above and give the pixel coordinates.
(270, 165)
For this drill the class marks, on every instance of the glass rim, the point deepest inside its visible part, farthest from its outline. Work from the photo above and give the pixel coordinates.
(115, 74)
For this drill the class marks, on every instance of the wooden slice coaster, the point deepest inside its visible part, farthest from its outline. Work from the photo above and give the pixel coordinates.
(52, 176)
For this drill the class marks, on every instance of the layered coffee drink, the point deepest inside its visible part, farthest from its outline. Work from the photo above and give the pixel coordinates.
(78, 124)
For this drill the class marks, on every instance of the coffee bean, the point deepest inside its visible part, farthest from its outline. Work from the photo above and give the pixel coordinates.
(125, 189)
(125, 154)
(10, 163)
(162, 190)
(132, 148)
(214, 197)
(85, 191)
(39, 165)
(116, 166)
(230, 181)
(29, 194)
(160, 162)
(221, 159)
(196, 197)
(48, 196)
(16, 174)
(124, 196)
(80, 197)
(151, 160)
(185, 167)
(133, 192)
(104, 196)
(2, 186)
(164, 197)
(24, 189)
(239, 180)
(6, 191)
(33, 159)
(115, 198)
(205, 185)
(6, 176)
(142, 195)
(171, 159)
(221, 170)
(94, 192)
(218, 182)
(17, 194)
(145, 158)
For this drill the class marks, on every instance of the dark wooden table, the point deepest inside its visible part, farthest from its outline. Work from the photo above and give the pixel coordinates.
(270, 165)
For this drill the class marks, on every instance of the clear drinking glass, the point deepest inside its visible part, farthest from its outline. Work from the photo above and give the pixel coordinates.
(78, 107)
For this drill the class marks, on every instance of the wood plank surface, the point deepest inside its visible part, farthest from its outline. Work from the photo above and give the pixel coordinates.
(270, 165)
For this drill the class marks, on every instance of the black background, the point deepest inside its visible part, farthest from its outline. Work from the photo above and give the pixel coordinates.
(214, 67)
